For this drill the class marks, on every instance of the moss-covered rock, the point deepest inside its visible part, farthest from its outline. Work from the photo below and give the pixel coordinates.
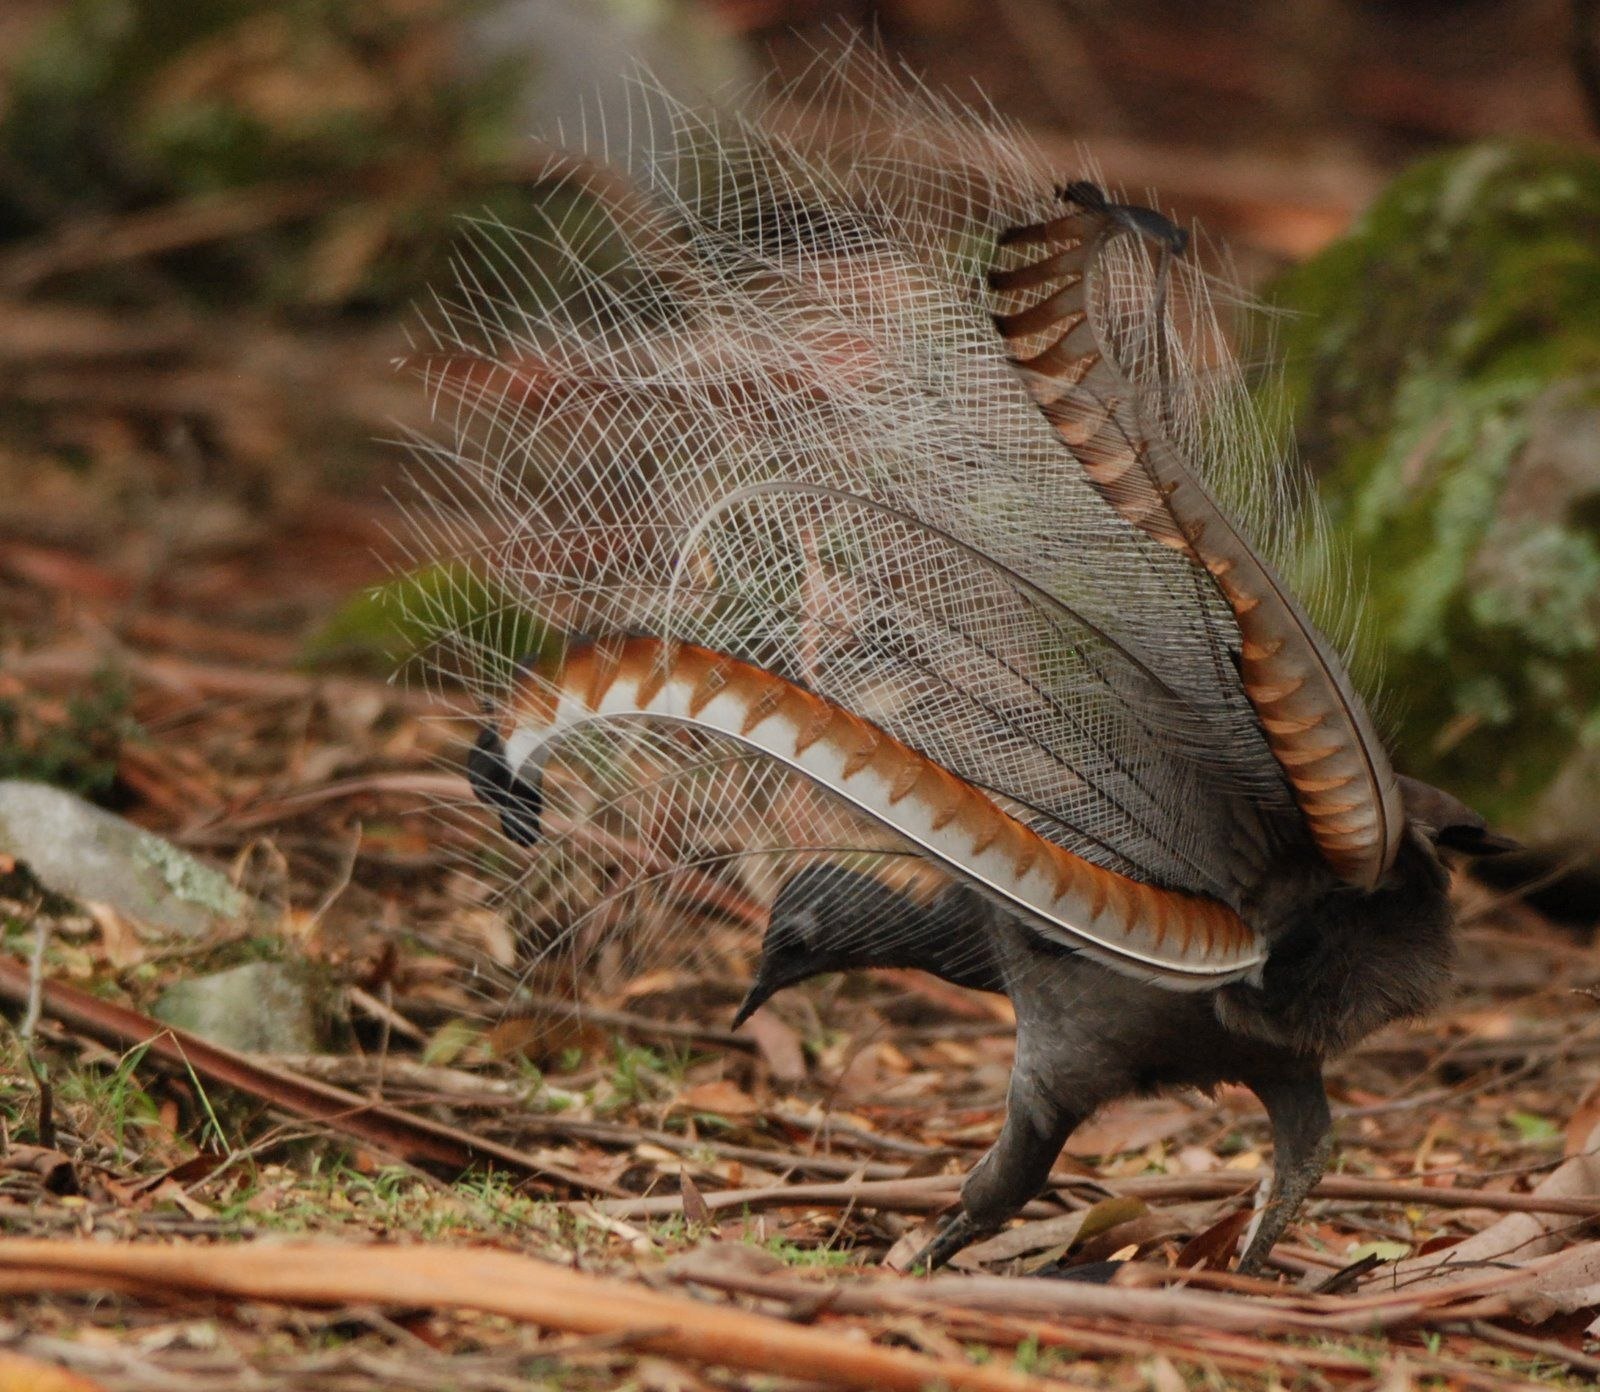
(259, 1007)
(81, 853)
(1443, 367)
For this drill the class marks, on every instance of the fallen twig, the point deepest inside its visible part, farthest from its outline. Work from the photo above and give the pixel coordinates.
(924, 1194)
(517, 1287)
(407, 1137)
(426, 1083)
(103, 241)
(1538, 1348)
(186, 676)
(930, 1193)
(1154, 1305)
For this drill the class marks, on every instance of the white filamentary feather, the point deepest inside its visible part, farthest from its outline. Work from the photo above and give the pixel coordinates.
(740, 386)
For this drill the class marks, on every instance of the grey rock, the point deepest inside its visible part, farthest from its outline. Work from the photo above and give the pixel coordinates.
(83, 853)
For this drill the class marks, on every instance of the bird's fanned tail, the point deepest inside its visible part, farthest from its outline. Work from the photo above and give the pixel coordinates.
(757, 408)
(1182, 940)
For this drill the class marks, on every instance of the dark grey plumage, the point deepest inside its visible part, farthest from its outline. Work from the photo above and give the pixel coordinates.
(1351, 962)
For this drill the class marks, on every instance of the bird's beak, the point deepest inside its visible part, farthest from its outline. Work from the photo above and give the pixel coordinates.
(762, 989)
(771, 979)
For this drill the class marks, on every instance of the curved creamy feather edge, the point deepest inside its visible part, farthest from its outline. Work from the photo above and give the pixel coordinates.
(1173, 939)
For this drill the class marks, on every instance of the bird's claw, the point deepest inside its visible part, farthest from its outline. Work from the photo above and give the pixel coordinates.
(955, 1232)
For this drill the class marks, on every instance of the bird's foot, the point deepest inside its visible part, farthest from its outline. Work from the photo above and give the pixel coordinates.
(956, 1231)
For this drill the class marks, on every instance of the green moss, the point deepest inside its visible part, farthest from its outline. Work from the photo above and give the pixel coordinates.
(1476, 264)
(429, 615)
(1440, 361)
(191, 880)
(76, 748)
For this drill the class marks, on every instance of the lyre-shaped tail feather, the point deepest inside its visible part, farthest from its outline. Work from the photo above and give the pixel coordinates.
(758, 408)
(1182, 940)
(1080, 367)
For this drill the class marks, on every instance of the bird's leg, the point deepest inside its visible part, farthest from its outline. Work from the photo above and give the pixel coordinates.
(1015, 1169)
(1302, 1140)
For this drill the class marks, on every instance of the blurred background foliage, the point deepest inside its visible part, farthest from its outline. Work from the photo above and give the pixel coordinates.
(1443, 369)
(361, 106)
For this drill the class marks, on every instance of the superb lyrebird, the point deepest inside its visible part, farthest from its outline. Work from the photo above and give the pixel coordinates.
(908, 509)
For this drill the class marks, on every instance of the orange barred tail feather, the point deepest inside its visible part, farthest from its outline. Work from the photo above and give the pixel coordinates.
(1081, 377)
(1181, 939)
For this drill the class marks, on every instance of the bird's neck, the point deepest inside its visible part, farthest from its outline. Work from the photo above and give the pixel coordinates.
(963, 959)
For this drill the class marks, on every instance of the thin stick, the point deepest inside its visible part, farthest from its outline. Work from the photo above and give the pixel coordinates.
(517, 1287)
(1539, 1348)
(928, 1194)
(41, 939)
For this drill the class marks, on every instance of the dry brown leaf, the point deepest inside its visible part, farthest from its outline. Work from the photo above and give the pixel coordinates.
(1584, 1123)
(1570, 1282)
(1067, 1230)
(1517, 1237)
(1130, 1125)
(120, 939)
(1213, 1249)
(719, 1097)
(694, 1202)
(779, 1046)
(727, 1259)
(1042, 1236)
